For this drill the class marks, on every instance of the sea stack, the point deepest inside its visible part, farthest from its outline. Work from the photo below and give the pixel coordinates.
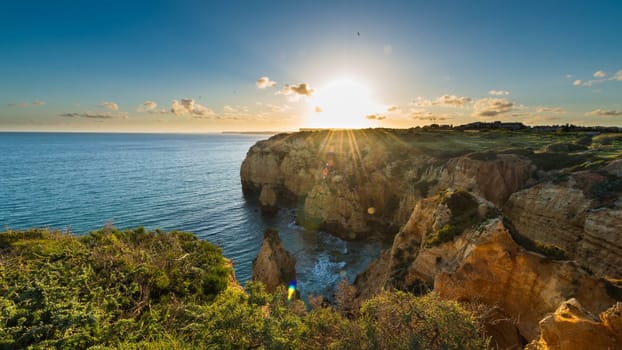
(273, 265)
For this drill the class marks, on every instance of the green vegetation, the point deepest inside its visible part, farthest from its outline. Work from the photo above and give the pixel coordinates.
(554, 160)
(548, 150)
(135, 289)
(607, 189)
(108, 287)
(464, 215)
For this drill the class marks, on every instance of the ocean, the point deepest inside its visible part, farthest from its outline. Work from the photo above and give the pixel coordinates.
(79, 182)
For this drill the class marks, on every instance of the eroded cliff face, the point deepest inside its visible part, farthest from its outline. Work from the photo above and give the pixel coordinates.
(492, 176)
(274, 266)
(486, 228)
(483, 264)
(526, 286)
(563, 215)
(354, 183)
(572, 327)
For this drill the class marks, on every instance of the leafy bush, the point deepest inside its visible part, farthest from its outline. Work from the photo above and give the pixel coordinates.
(399, 320)
(607, 188)
(110, 286)
(552, 161)
(464, 215)
(152, 290)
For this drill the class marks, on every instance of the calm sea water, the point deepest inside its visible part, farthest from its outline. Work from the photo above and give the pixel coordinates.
(80, 182)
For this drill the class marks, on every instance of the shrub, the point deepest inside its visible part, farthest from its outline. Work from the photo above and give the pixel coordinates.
(104, 288)
(399, 320)
(464, 215)
(108, 290)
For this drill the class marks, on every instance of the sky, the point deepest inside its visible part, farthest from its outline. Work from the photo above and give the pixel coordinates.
(212, 66)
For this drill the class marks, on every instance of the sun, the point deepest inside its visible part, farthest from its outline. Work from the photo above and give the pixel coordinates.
(342, 104)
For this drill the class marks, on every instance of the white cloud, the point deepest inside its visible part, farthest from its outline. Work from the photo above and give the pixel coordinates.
(188, 106)
(95, 115)
(499, 92)
(265, 82)
(302, 89)
(556, 110)
(151, 108)
(490, 107)
(110, 105)
(392, 108)
(446, 100)
(601, 77)
(603, 112)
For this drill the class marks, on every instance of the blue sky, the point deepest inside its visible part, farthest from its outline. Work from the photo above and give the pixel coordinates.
(194, 65)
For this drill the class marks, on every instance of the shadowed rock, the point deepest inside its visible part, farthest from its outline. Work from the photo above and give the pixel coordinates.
(273, 266)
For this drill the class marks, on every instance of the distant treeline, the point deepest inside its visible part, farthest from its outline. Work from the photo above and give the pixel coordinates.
(498, 125)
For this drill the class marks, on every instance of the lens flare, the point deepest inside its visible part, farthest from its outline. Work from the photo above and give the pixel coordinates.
(291, 290)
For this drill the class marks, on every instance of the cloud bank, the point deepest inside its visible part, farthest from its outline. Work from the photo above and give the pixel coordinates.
(187, 106)
(490, 107)
(604, 112)
(95, 115)
(445, 100)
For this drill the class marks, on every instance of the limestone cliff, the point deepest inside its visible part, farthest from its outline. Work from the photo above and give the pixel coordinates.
(565, 216)
(352, 183)
(518, 231)
(482, 263)
(274, 266)
(572, 327)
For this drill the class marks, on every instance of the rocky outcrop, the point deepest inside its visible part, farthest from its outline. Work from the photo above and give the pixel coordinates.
(274, 266)
(489, 175)
(351, 183)
(494, 270)
(483, 263)
(572, 327)
(562, 215)
(481, 227)
(336, 208)
(367, 282)
(268, 200)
